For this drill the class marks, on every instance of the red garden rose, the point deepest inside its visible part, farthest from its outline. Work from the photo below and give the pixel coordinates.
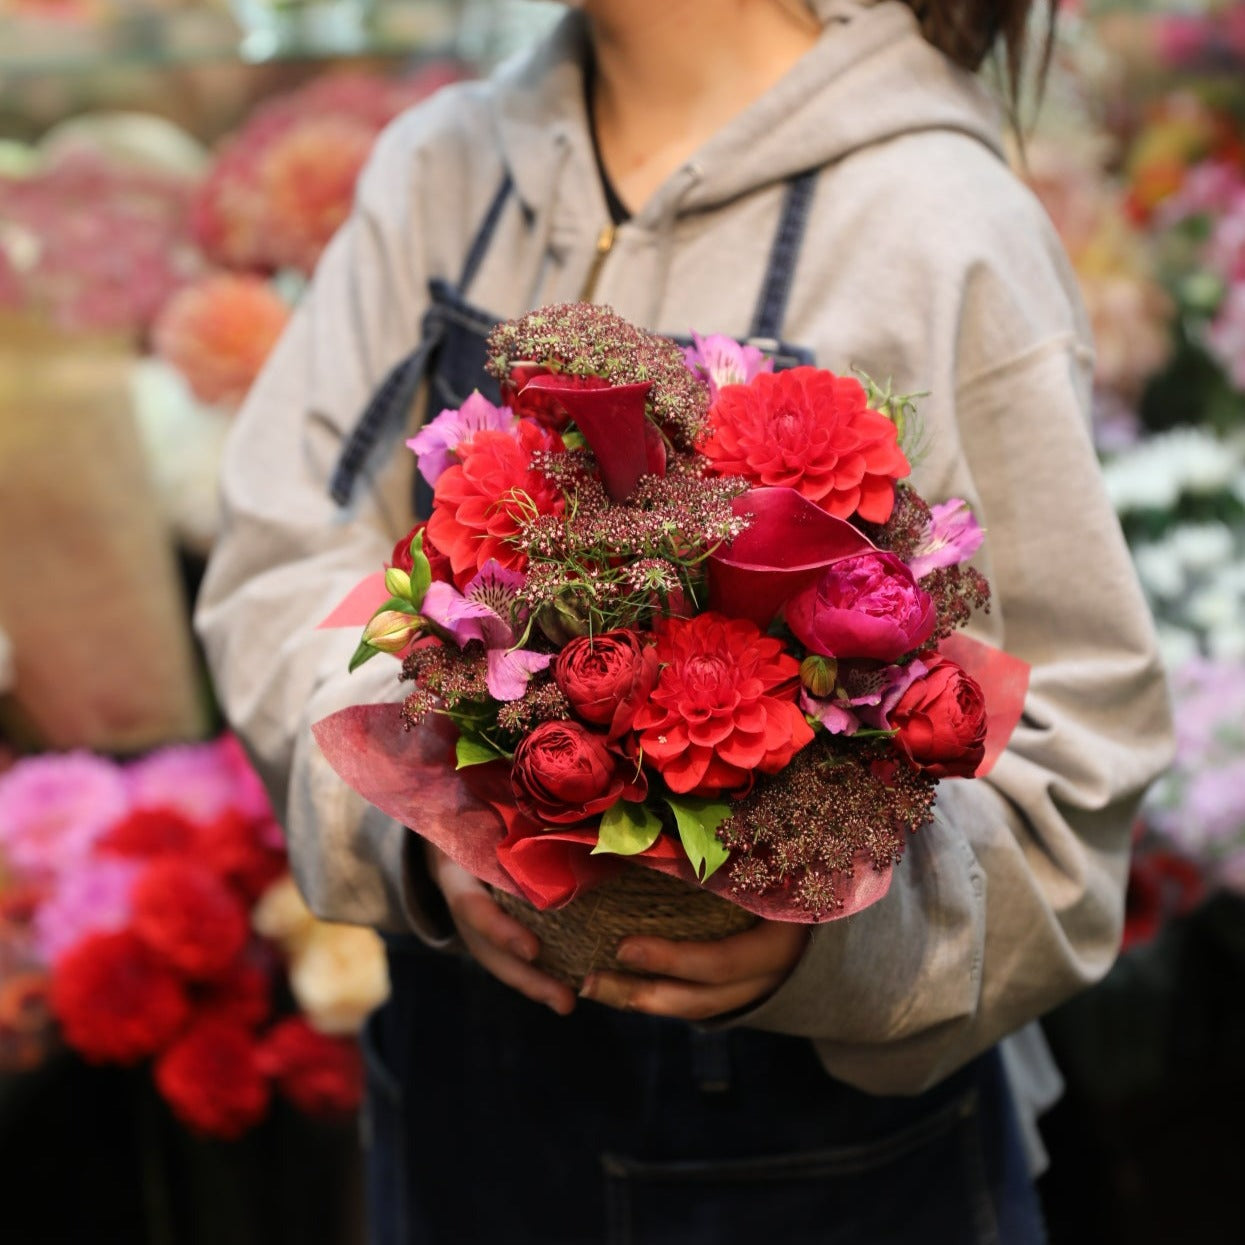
(480, 502)
(116, 1001)
(563, 773)
(321, 1075)
(438, 563)
(723, 706)
(864, 606)
(941, 721)
(606, 678)
(211, 1078)
(189, 917)
(812, 431)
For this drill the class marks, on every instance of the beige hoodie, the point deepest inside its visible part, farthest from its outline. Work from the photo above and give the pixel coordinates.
(925, 260)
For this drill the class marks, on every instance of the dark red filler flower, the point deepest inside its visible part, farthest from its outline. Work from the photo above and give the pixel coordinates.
(116, 1001)
(211, 1077)
(940, 721)
(321, 1075)
(723, 707)
(563, 773)
(812, 431)
(189, 917)
(482, 501)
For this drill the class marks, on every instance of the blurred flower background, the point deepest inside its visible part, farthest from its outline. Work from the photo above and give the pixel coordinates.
(169, 175)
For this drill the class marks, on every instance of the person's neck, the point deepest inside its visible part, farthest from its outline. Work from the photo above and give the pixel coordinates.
(670, 73)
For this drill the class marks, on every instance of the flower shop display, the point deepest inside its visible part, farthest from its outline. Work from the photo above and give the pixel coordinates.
(711, 638)
(135, 908)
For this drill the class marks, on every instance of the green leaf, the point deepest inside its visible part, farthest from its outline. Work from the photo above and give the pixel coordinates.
(365, 652)
(697, 820)
(627, 829)
(473, 750)
(421, 569)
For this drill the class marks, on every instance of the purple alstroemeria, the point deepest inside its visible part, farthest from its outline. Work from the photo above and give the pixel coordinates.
(951, 536)
(719, 360)
(863, 696)
(436, 443)
(487, 612)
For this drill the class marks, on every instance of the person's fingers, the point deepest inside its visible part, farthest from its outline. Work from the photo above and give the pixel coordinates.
(662, 996)
(768, 947)
(501, 945)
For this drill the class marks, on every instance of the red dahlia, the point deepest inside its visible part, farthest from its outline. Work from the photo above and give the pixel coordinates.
(115, 1000)
(319, 1074)
(481, 501)
(812, 431)
(724, 705)
(189, 917)
(211, 1078)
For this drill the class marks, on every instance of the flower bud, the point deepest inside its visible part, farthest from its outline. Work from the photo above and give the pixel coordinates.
(818, 674)
(398, 583)
(391, 630)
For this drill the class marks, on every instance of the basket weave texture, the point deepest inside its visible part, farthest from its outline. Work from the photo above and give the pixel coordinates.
(584, 935)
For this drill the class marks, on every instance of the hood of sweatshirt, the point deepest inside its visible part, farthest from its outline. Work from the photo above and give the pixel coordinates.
(871, 77)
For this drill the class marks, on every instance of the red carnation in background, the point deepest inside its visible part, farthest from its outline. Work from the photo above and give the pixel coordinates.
(319, 1074)
(242, 996)
(481, 501)
(116, 1001)
(235, 848)
(151, 832)
(211, 1078)
(724, 705)
(812, 431)
(189, 917)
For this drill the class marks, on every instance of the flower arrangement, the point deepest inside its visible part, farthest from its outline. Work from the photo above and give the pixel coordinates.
(710, 637)
(126, 931)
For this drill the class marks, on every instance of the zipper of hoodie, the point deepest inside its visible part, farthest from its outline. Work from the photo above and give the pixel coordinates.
(605, 244)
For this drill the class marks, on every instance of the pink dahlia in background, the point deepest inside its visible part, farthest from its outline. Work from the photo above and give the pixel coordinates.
(53, 808)
(307, 178)
(218, 332)
(812, 431)
(92, 899)
(200, 781)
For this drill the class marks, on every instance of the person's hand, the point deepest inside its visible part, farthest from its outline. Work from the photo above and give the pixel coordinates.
(697, 980)
(503, 946)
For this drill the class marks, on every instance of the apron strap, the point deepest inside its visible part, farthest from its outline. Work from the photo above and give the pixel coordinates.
(392, 399)
(484, 235)
(771, 309)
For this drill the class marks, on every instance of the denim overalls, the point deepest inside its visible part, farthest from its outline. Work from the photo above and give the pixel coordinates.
(491, 1120)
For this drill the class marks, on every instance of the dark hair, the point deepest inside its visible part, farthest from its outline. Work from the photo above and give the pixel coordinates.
(968, 30)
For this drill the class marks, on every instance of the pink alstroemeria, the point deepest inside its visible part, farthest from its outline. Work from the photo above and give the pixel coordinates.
(719, 360)
(436, 444)
(862, 697)
(486, 612)
(951, 536)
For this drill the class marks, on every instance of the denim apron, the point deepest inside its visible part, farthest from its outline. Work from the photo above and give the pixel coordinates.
(489, 1119)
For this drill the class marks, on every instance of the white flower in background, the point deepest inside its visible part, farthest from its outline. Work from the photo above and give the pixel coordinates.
(1227, 643)
(1202, 546)
(1160, 570)
(184, 441)
(1141, 480)
(1153, 474)
(1214, 607)
(1177, 645)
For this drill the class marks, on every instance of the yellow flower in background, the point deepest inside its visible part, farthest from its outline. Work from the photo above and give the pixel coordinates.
(338, 973)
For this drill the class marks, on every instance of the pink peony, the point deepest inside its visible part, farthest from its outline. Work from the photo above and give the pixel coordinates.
(864, 606)
(54, 807)
(219, 331)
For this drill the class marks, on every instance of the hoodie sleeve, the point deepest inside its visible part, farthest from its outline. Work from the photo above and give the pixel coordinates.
(287, 553)
(1012, 899)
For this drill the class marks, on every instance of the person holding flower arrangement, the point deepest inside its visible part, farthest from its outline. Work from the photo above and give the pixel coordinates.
(820, 184)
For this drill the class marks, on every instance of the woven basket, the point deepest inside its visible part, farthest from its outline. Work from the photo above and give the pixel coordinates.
(583, 935)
